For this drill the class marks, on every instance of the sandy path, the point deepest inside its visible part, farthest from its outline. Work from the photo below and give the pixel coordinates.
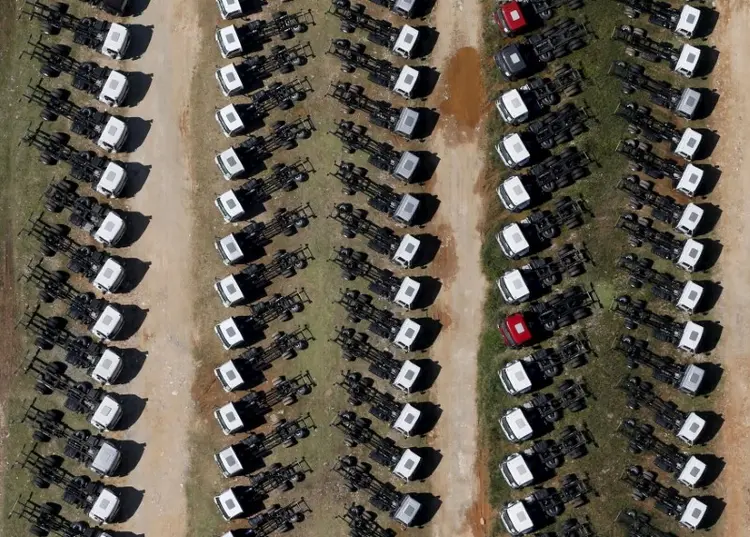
(166, 336)
(457, 144)
(732, 194)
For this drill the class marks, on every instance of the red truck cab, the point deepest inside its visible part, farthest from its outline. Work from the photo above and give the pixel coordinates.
(515, 330)
(509, 17)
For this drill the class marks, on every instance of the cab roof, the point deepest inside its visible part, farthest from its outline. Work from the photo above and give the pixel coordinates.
(108, 322)
(114, 87)
(513, 235)
(516, 284)
(691, 254)
(514, 103)
(406, 39)
(693, 472)
(407, 375)
(407, 334)
(231, 118)
(516, 465)
(692, 428)
(690, 218)
(231, 161)
(229, 460)
(116, 37)
(693, 514)
(691, 337)
(692, 379)
(518, 376)
(407, 464)
(230, 41)
(407, 419)
(407, 122)
(111, 228)
(105, 506)
(406, 166)
(109, 274)
(113, 132)
(688, 144)
(518, 423)
(112, 179)
(407, 249)
(230, 77)
(107, 412)
(690, 296)
(231, 204)
(688, 60)
(231, 248)
(108, 365)
(688, 21)
(230, 417)
(231, 331)
(231, 289)
(407, 80)
(516, 148)
(519, 517)
(408, 292)
(518, 328)
(690, 180)
(230, 374)
(229, 503)
(513, 187)
(513, 16)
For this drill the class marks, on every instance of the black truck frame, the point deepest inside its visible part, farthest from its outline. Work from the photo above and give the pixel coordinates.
(355, 346)
(354, 264)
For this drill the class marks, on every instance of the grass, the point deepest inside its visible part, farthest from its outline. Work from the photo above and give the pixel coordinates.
(322, 490)
(609, 457)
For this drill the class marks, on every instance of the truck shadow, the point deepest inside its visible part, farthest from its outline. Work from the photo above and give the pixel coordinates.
(711, 380)
(711, 294)
(428, 120)
(714, 422)
(139, 85)
(428, 248)
(426, 42)
(140, 40)
(137, 7)
(429, 331)
(429, 371)
(715, 508)
(431, 459)
(429, 506)
(132, 362)
(711, 215)
(430, 415)
(131, 455)
(138, 129)
(132, 408)
(135, 270)
(427, 80)
(429, 289)
(709, 141)
(137, 175)
(428, 206)
(714, 467)
(134, 317)
(130, 499)
(136, 225)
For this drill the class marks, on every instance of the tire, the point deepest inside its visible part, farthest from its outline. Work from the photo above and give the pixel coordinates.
(40, 436)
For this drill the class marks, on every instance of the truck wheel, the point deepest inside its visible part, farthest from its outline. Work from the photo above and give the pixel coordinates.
(48, 115)
(288, 400)
(286, 35)
(285, 316)
(48, 71)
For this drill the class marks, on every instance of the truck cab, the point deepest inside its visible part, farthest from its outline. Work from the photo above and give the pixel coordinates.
(403, 8)
(406, 252)
(407, 293)
(409, 506)
(110, 277)
(229, 504)
(229, 9)
(407, 376)
(230, 82)
(407, 420)
(516, 519)
(106, 460)
(229, 291)
(116, 42)
(229, 42)
(109, 323)
(688, 144)
(229, 376)
(512, 151)
(105, 508)
(691, 379)
(516, 472)
(515, 330)
(406, 82)
(692, 473)
(228, 461)
(229, 249)
(509, 17)
(512, 107)
(691, 429)
(687, 61)
(112, 181)
(107, 367)
(689, 220)
(690, 180)
(229, 419)
(513, 287)
(407, 465)
(107, 414)
(688, 21)
(229, 334)
(690, 255)
(113, 135)
(514, 378)
(407, 335)
(406, 210)
(688, 103)
(511, 62)
(690, 297)
(229, 164)
(512, 241)
(229, 206)
(115, 89)
(515, 425)
(111, 230)
(230, 121)
(513, 194)
(405, 41)
(693, 514)
(406, 167)
(691, 337)
(407, 123)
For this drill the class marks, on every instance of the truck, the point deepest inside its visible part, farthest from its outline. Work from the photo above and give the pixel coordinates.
(530, 466)
(686, 426)
(688, 470)
(638, 523)
(107, 85)
(686, 378)
(235, 204)
(401, 165)
(533, 233)
(401, 462)
(401, 507)
(511, 15)
(238, 331)
(682, 21)
(684, 143)
(401, 250)
(685, 254)
(525, 374)
(539, 93)
(684, 295)
(685, 179)
(683, 61)
(98, 454)
(517, 60)
(401, 208)
(240, 160)
(108, 38)
(236, 40)
(519, 192)
(685, 336)
(401, 121)
(240, 77)
(683, 102)
(517, 149)
(245, 369)
(540, 274)
(400, 41)
(400, 80)
(402, 417)
(685, 219)
(689, 512)
(403, 8)
(402, 374)
(245, 243)
(524, 422)
(243, 286)
(362, 523)
(106, 131)
(546, 316)
(101, 408)
(381, 282)
(106, 273)
(46, 519)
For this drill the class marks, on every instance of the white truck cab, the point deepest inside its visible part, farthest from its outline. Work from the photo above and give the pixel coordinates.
(513, 287)
(513, 152)
(406, 210)
(515, 425)
(692, 473)
(693, 514)
(229, 376)
(109, 323)
(407, 510)
(229, 334)
(407, 293)
(689, 220)
(688, 21)
(514, 378)
(107, 367)
(228, 462)
(107, 414)
(113, 135)
(407, 376)
(407, 465)
(229, 206)
(516, 471)
(229, 164)
(229, 249)
(229, 9)
(106, 506)
(513, 194)
(688, 104)
(229, 291)
(407, 420)
(405, 41)
(691, 337)
(406, 167)
(688, 61)
(688, 144)
(406, 82)
(691, 379)
(107, 459)
(690, 297)
(690, 180)
(512, 108)
(228, 504)
(404, 8)
(229, 419)
(691, 429)
(229, 42)
(115, 89)
(116, 42)
(229, 80)
(690, 255)
(229, 120)
(516, 519)
(512, 241)
(111, 229)
(112, 181)
(110, 277)
(406, 252)
(407, 123)
(407, 335)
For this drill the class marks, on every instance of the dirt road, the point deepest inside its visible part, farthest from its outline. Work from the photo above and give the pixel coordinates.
(457, 142)
(166, 335)
(733, 196)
